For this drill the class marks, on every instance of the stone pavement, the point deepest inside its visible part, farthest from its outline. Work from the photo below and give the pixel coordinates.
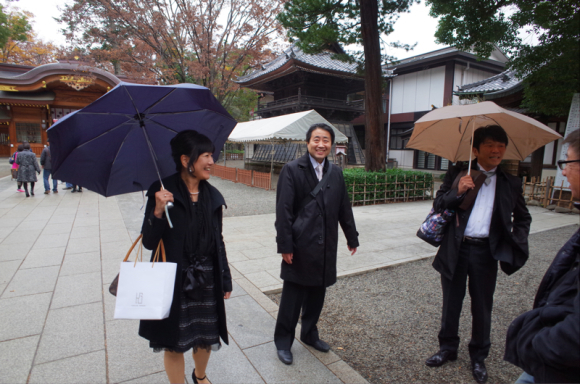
(59, 253)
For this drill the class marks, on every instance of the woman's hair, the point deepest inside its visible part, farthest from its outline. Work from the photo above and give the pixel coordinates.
(26, 145)
(189, 143)
(20, 147)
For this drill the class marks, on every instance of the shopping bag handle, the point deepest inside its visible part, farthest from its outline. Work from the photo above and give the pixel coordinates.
(160, 246)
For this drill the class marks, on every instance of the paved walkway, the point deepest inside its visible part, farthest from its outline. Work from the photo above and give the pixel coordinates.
(59, 253)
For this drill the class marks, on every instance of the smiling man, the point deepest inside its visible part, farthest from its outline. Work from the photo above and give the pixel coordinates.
(493, 227)
(311, 201)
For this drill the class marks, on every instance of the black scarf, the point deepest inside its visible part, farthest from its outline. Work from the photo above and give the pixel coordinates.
(195, 279)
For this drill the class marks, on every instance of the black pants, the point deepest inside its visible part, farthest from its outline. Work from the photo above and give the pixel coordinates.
(296, 297)
(475, 262)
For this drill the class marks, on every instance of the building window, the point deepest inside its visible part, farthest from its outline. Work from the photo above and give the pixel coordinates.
(28, 132)
(426, 160)
(399, 139)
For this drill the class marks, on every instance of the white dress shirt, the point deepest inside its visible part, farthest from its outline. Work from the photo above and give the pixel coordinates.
(315, 163)
(480, 218)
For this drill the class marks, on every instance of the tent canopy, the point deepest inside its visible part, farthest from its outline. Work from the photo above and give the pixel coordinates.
(292, 127)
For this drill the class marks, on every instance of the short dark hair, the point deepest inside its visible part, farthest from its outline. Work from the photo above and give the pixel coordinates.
(494, 132)
(573, 140)
(26, 145)
(189, 143)
(320, 126)
(20, 147)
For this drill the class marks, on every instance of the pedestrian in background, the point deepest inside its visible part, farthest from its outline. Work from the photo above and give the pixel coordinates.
(15, 167)
(307, 237)
(46, 163)
(493, 227)
(545, 342)
(27, 168)
(197, 319)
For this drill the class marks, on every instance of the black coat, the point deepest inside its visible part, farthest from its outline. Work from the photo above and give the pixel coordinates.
(165, 331)
(311, 234)
(545, 342)
(508, 238)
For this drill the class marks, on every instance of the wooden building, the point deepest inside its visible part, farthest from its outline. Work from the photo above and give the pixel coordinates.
(33, 98)
(300, 82)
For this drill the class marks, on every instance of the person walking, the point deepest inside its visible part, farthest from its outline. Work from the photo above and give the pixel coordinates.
(197, 319)
(307, 237)
(14, 169)
(493, 227)
(545, 341)
(46, 164)
(27, 168)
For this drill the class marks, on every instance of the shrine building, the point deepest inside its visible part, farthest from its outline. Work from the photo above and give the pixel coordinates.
(34, 98)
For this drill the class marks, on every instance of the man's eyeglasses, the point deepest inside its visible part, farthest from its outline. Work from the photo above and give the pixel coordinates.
(562, 163)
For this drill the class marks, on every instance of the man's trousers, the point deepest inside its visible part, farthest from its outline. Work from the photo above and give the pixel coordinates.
(296, 297)
(475, 262)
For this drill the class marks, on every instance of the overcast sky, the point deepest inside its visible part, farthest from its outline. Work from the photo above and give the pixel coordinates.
(415, 27)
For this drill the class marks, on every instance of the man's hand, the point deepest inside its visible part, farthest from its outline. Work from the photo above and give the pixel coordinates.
(353, 250)
(227, 295)
(288, 257)
(465, 183)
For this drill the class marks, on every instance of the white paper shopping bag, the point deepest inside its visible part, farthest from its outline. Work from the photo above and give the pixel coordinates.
(145, 290)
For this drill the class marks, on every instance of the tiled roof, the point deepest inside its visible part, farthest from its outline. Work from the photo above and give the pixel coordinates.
(498, 83)
(320, 60)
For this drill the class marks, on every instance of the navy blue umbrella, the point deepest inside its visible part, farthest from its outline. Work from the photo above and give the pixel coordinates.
(120, 142)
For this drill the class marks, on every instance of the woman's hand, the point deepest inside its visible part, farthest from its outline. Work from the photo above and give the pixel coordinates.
(227, 295)
(161, 199)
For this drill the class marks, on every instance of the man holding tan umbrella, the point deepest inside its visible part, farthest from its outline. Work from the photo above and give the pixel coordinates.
(492, 222)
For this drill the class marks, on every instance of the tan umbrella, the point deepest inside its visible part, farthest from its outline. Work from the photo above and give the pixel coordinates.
(448, 131)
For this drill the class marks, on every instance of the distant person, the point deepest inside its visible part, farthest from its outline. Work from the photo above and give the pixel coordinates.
(493, 227)
(307, 237)
(197, 319)
(545, 342)
(27, 168)
(46, 164)
(15, 167)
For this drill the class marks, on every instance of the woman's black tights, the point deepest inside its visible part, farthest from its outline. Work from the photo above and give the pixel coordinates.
(31, 188)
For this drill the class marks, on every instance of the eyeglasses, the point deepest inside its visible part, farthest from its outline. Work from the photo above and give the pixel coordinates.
(562, 163)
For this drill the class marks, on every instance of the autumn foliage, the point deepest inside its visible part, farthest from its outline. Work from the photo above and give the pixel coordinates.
(208, 42)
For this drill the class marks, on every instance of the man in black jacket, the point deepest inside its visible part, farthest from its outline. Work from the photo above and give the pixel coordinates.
(307, 237)
(545, 341)
(482, 233)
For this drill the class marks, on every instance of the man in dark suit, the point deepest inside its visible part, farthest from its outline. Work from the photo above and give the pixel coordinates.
(307, 237)
(545, 341)
(492, 224)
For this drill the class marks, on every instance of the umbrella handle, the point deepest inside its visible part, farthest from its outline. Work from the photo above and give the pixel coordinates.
(167, 206)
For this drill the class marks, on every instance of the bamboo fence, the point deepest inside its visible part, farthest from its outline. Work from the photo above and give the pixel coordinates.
(379, 190)
(546, 193)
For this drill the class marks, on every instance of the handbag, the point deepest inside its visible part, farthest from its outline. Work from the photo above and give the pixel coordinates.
(145, 289)
(12, 158)
(434, 227)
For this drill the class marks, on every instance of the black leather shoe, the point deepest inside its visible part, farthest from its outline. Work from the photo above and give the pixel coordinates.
(441, 358)
(285, 356)
(319, 345)
(479, 372)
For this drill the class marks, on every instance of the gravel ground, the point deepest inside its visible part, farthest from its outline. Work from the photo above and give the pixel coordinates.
(384, 324)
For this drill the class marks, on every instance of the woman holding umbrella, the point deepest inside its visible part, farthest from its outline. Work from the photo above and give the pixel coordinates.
(197, 318)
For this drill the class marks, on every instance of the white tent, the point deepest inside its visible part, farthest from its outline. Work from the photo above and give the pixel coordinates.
(290, 127)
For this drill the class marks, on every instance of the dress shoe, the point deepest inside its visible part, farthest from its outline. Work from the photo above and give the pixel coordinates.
(441, 358)
(27, 195)
(319, 345)
(195, 378)
(32, 193)
(479, 372)
(285, 356)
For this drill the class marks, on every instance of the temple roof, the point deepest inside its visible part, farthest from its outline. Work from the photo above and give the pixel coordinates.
(294, 59)
(499, 85)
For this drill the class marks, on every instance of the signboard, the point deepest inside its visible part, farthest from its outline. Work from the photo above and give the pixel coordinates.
(572, 125)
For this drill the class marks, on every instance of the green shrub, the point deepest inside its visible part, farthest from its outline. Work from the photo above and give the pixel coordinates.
(388, 185)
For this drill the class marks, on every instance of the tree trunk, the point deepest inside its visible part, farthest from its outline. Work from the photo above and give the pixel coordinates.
(374, 129)
(537, 163)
